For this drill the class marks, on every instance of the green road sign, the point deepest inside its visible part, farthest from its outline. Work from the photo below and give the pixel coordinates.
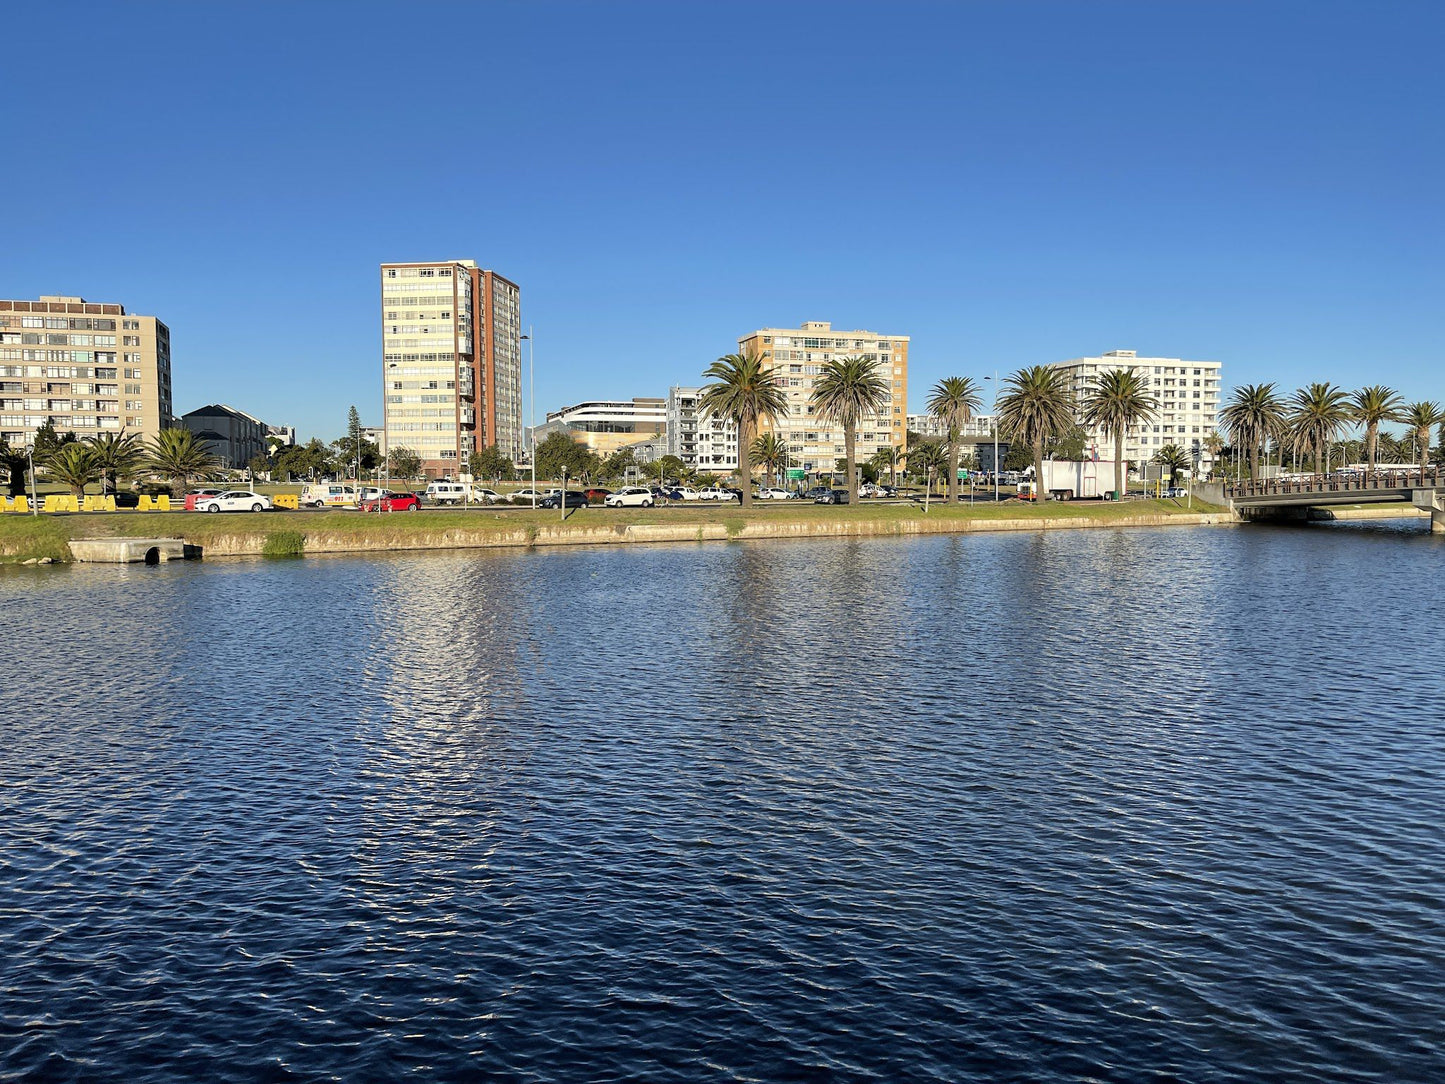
(795, 474)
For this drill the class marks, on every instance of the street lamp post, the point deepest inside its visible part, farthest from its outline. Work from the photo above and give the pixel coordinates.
(30, 454)
(562, 499)
(994, 378)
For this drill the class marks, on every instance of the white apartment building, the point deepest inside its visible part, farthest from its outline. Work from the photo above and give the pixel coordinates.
(798, 356)
(607, 425)
(709, 444)
(932, 427)
(1188, 402)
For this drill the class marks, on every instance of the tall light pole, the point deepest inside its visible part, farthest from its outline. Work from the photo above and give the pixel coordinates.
(994, 378)
(532, 395)
(30, 453)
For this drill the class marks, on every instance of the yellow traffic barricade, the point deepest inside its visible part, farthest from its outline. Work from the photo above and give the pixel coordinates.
(163, 503)
(22, 504)
(7, 504)
(287, 500)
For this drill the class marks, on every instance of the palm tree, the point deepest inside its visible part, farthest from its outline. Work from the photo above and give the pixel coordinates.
(1422, 418)
(1372, 406)
(74, 465)
(954, 400)
(847, 389)
(744, 390)
(177, 454)
(1320, 412)
(926, 458)
(1035, 407)
(115, 454)
(1214, 445)
(1392, 449)
(1254, 416)
(1119, 401)
(1173, 457)
(770, 452)
(886, 459)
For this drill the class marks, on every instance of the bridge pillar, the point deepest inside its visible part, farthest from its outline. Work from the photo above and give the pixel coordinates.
(1433, 501)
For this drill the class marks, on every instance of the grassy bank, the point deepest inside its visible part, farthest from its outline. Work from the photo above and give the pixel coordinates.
(293, 533)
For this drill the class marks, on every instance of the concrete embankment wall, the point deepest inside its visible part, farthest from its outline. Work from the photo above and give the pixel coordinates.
(245, 544)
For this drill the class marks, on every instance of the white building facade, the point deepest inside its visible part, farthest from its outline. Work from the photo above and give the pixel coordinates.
(706, 443)
(1187, 393)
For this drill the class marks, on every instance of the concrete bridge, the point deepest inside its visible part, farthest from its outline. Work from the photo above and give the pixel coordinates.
(1293, 498)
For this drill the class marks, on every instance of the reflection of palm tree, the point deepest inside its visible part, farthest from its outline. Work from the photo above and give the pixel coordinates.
(771, 452)
(73, 464)
(177, 454)
(743, 391)
(1372, 406)
(1320, 412)
(1422, 418)
(954, 400)
(1036, 407)
(847, 389)
(1254, 416)
(1119, 401)
(115, 454)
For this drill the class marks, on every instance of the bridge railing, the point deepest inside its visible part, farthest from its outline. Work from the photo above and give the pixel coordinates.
(1344, 482)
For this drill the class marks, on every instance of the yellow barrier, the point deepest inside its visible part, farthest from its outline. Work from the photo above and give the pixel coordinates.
(287, 500)
(163, 503)
(22, 504)
(145, 504)
(7, 504)
(61, 502)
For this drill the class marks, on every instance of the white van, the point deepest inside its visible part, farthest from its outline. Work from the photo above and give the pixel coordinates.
(446, 492)
(328, 495)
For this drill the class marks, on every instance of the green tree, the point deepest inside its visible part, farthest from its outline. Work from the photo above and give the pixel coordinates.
(847, 389)
(558, 451)
(15, 463)
(1422, 418)
(1320, 411)
(116, 455)
(1255, 416)
(671, 467)
(616, 465)
(954, 400)
(1119, 401)
(47, 441)
(490, 463)
(886, 459)
(73, 464)
(179, 456)
(1035, 407)
(744, 390)
(770, 451)
(927, 459)
(1214, 445)
(1173, 457)
(405, 463)
(1071, 445)
(1370, 407)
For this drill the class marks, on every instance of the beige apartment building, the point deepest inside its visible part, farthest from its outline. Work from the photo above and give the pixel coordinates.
(797, 356)
(1187, 393)
(451, 362)
(87, 368)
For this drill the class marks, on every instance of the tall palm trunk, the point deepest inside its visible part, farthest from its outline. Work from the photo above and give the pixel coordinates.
(1121, 476)
(1039, 471)
(955, 434)
(1319, 457)
(745, 462)
(1422, 438)
(848, 441)
(1372, 441)
(1254, 462)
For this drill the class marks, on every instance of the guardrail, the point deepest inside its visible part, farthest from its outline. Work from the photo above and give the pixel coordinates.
(1338, 483)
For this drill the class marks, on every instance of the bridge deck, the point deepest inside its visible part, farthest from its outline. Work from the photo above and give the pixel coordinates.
(1382, 486)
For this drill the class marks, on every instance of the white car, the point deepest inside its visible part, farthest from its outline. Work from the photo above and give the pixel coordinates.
(771, 494)
(526, 496)
(684, 493)
(486, 496)
(629, 496)
(717, 493)
(235, 500)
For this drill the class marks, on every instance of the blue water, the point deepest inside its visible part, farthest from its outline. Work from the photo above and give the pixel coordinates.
(1096, 805)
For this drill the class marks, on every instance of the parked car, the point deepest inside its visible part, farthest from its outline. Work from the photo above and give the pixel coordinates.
(392, 502)
(575, 499)
(683, 493)
(832, 496)
(631, 497)
(235, 500)
(816, 492)
(526, 496)
(768, 493)
(447, 492)
(327, 495)
(486, 496)
(597, 494)
(717, 493)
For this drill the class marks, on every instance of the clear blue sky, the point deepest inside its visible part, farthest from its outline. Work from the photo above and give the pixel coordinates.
(1009, 183)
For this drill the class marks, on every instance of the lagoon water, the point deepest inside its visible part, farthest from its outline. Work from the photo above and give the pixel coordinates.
(1088, 805)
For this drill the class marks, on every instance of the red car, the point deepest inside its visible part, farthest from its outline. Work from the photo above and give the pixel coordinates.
(392, 502)
(598, 495)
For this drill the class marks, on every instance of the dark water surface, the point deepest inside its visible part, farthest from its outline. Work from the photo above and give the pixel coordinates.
(1094, 805)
